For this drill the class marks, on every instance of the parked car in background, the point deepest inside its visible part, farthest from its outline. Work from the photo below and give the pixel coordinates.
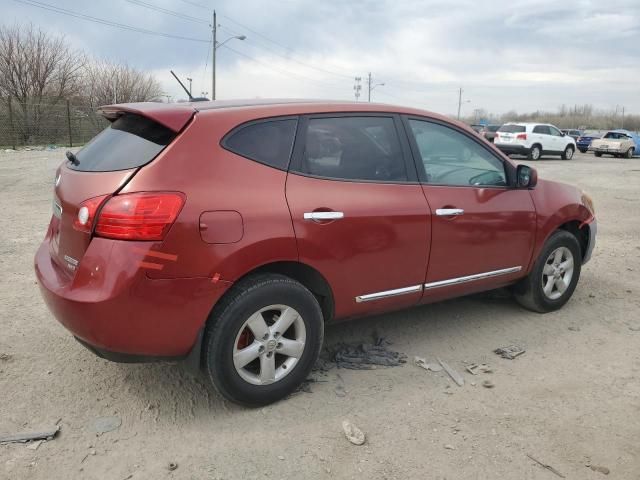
(584, 141)
(489, 132)
(534, 140)
(619, 143)
(477, 127)
(230, 233)
(574, 133)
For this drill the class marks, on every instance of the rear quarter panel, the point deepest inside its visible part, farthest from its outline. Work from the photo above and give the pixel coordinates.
(216, 180)
(556, 204)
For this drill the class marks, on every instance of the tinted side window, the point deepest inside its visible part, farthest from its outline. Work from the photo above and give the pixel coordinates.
(543, 129)
(451, 158)
(354, 148)
(129, 142)
(269, 142)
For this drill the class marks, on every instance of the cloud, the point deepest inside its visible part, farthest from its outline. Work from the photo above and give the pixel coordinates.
(506, 54)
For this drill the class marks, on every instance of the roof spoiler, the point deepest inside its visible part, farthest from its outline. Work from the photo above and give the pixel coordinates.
(173, 116)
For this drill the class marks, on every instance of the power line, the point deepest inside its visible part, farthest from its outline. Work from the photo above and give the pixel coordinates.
(196, 4)
(290, 57)
(63, 11)
(167, 11)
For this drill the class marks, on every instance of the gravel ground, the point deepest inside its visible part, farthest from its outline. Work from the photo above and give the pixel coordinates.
(572, 400)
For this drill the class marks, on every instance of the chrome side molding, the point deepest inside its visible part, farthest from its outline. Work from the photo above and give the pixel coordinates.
(471, 278)
(441, 283)
(388, 293)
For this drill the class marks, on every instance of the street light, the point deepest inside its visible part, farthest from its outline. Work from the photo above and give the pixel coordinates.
(190, 80)
(217, 45)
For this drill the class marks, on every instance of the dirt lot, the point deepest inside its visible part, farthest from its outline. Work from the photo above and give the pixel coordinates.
(571, 400)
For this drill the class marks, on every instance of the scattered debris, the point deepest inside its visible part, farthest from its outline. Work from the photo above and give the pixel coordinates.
(591, 295)
(510, 352)
(548, 467)
(574, 328)
(488, 384)
(474, 368)
(106, 424)
(280, 457)
(6, 357)
(353, 433)
(455, 376)
(599, 469)
(172, 466)
(421, 362)
(27, 437)
(35, 445)
(365, 356)
(635, 328)
(449, 447)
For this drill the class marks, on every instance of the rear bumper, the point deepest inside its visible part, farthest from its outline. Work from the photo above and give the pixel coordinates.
(593, 231)
(114, 309)
(512, 149)
(606, 150)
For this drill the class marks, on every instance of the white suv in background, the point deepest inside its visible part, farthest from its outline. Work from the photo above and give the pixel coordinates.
(534, 140)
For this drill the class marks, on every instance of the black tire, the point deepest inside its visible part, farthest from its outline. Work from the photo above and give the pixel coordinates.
(223, 327)
(629, 153)
(583, 150)
(568, 153)
(535, 152)
(597, 154)
(529, 291)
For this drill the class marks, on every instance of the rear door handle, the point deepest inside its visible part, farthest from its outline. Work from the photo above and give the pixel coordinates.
(323, 215)
(446, 212)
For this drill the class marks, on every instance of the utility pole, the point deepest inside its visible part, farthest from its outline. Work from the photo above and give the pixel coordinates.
(459, 101)
(190, 80)
(213, 59)
(357, 87)
(369, 87)
(623, 116)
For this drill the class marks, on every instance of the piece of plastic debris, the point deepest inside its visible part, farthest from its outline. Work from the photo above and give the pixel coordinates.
(172, 466)
(574, 328)
(421, 362)
(548, 467)
(106, 424)
(27, 437)
(449, 447)
(488, 384)
(455, 376)
(599, 469)
(280, 457)
(510, 352)
(353, 433)
(474, 368)
(6, 357)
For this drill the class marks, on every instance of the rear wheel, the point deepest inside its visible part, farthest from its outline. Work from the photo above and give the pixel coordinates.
(583, 150)
(629, 153)
(568, 153)
(534, 152)
(597, 154)
(263, 339)
(554, 276)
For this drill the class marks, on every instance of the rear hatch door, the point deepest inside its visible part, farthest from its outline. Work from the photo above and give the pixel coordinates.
(102, 168)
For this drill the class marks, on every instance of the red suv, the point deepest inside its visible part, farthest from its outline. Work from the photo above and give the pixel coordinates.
(230, 233)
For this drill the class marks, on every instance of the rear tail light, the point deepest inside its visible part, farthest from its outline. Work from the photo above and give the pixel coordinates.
(139, 216)
(521, 136)
(87, 214)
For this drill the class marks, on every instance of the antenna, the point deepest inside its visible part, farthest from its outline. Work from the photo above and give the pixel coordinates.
(181, 84)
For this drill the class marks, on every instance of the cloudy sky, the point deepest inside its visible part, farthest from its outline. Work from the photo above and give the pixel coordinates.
(518, 55)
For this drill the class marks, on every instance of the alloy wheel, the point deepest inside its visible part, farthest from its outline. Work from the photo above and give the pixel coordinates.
(269, 344)
(557, 273)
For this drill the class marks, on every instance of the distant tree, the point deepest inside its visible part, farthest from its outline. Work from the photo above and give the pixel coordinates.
(105, 83)
(38, 71)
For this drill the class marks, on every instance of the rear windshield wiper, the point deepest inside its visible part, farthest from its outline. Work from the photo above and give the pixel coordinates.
(72, 157)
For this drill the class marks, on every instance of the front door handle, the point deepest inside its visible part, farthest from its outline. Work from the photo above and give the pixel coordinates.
(446, 212)
(323, 215)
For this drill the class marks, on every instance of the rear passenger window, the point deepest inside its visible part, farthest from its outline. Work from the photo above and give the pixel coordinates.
(269, 142)
(354, 148)
(542, 129)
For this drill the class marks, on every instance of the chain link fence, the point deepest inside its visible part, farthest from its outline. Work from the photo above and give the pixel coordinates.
(37, 123)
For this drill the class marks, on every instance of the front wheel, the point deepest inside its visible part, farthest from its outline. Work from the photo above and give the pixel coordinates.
(568, 153)
(629, 153)
(263, 339)
(554, 276)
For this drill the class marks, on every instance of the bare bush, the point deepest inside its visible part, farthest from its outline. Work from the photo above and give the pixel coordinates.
(38, 71)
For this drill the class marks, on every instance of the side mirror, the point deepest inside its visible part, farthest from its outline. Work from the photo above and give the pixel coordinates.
(526, 177)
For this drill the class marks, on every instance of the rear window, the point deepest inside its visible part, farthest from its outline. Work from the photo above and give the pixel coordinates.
(269, 142)
(512, 128)
(129, 142)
